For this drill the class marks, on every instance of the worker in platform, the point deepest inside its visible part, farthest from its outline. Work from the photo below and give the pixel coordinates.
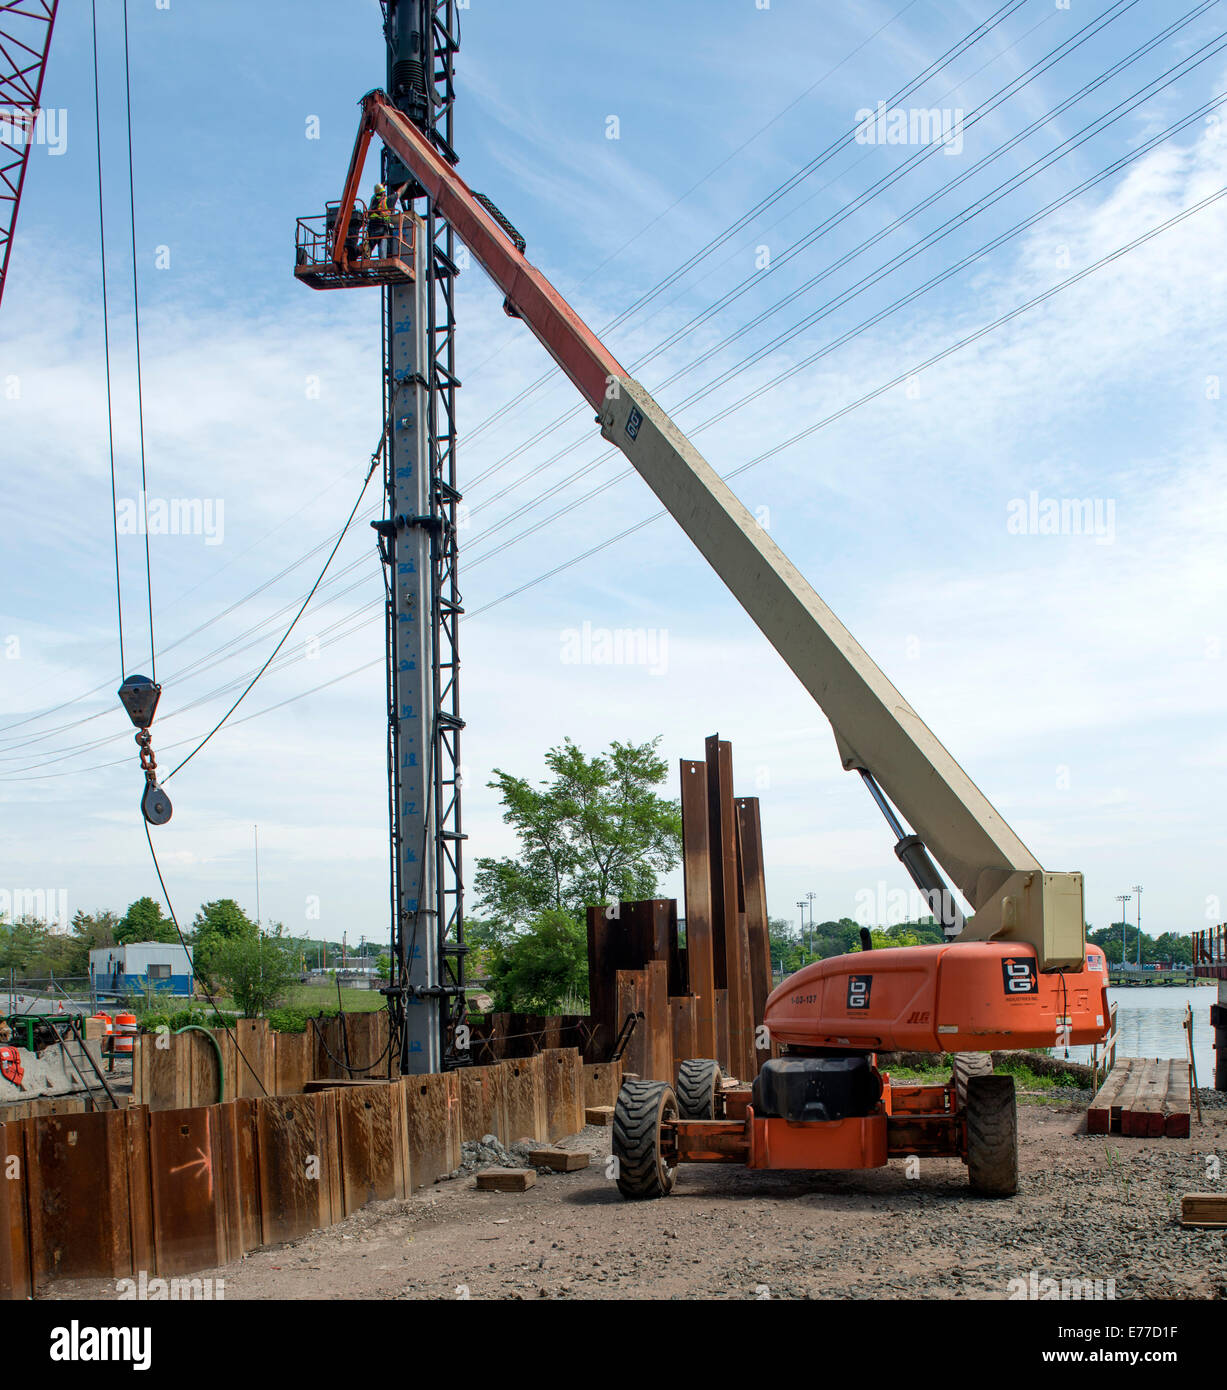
(379, 221)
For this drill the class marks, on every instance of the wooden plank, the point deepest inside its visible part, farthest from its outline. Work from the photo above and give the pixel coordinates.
(1141, 1092)
(294, 1150)
(292, 1057)
(1146, 1114)
(483, 1103)
(506, 1179)
(753, 890)
(78, 1196)
(432, 1122)
(632, 999)
(729, 924)
(602, 1082)
(16, 1275)
(1205, 1209)
(563, 1074)
(681, 1020)
(368, 1145)
(560, 1160)
(1099, 1113)
(1124, 1102)
(696, 874)
(658, 1052)
(188, 1212)
(599, 1115)
(1178, 1103)
(526, 1110)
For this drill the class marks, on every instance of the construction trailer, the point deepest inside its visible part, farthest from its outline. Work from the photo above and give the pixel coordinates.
(139, 968)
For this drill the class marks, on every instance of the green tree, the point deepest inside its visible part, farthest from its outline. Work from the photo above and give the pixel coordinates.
(1171, 946)
(595, 833)
(22, 944)
(215, 925)
(541, 966)
(144, 921)
(90, 931)
(254, 970)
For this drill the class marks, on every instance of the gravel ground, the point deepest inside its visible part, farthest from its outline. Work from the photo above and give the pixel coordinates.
(1089, 1206)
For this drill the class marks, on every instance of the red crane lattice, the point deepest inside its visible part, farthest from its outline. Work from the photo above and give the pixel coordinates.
(25, 37)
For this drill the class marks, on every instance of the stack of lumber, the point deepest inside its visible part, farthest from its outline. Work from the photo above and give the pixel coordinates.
(1142, 1097)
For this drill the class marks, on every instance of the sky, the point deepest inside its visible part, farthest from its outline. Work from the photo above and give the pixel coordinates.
(1026, 534)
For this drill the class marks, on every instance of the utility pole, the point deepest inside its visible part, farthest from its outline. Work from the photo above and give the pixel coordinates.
(255, 831)
(1124, 898)
(801, 905)
(418, 543)
(809, 897)
(1137, 888)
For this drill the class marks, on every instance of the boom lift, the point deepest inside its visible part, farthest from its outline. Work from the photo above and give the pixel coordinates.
(1016, 973)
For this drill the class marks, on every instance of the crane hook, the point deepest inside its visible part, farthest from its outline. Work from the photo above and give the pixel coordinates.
(139, 696)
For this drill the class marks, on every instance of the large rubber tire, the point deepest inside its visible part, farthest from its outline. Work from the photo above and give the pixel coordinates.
(965, 1066)
(992, 1136)
(642, 1107)
(698, 1085)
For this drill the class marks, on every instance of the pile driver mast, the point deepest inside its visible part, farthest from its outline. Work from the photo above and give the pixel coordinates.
(418, 543)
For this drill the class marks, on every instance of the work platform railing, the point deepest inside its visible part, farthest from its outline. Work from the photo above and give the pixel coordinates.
(378, 254)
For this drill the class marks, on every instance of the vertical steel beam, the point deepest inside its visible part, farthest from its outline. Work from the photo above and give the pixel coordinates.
(424, 604)
(410, 542)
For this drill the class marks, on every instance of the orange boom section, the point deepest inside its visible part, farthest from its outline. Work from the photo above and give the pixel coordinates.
(970, 997)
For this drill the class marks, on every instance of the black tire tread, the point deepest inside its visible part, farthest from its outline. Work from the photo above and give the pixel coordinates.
(639, 1110)
(965, 1065)
(992, 1135)
(698, 1081)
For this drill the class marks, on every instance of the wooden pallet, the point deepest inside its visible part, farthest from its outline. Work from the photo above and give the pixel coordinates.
(1142, 1097)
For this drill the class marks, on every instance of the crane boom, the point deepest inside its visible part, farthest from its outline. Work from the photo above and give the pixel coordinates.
(877, 732)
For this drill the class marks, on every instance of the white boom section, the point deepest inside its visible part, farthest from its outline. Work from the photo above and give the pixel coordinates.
(875, 727)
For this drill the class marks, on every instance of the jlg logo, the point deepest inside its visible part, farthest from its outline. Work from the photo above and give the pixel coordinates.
(858, 991)
(1019, 976)
(919, 1016)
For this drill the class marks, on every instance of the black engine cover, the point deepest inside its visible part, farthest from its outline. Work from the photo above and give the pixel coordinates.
(817, 1088)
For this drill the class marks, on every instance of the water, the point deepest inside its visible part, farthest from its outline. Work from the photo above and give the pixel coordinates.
(1150, 1019)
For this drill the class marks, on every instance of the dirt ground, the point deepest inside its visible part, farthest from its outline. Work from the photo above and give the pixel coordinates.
(1089, 1207)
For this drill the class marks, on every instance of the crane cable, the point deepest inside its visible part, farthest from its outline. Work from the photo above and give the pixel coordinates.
(106, 345)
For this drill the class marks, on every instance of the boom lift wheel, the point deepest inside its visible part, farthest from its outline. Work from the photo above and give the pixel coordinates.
(642, 1107)
(698, 1085)
(992, 1135)
(966, 1065)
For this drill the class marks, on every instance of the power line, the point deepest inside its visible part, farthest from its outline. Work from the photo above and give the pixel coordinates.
(1062, 50)
(1008, 317)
